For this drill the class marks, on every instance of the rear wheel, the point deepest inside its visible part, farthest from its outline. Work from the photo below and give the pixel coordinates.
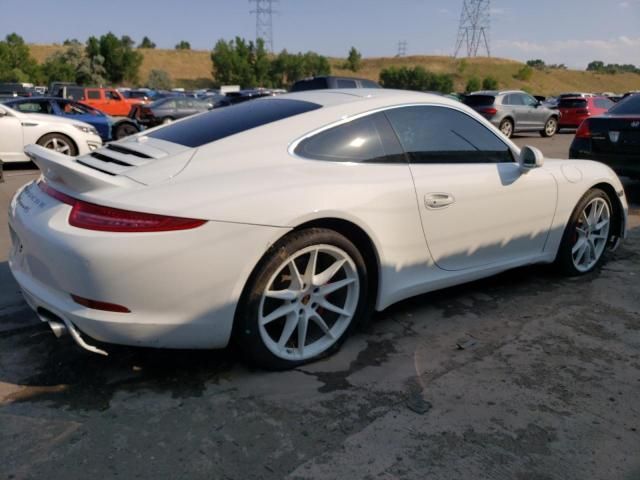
(550, 128)
(506, 127)
(587, 234)
(303, 300)
(60, 143)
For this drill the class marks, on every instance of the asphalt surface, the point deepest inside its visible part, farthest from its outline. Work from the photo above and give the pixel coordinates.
(523, 376)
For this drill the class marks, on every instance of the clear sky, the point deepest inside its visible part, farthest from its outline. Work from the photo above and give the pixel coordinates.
(558, 31)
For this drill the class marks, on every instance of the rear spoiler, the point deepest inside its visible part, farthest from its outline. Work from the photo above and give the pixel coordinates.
(65, 170)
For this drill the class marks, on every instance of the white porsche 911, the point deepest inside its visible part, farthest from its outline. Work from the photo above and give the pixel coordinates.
(282, 221)
(18, 129)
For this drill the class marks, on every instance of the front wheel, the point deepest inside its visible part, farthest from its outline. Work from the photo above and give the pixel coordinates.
(59, 143)
(124, 130)
(305, 297)
(585, 239)
(550, 128)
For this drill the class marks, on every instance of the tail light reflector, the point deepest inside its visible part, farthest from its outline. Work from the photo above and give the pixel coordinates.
(489, 111)
(584, 131)
(107, 219)
(98, 305)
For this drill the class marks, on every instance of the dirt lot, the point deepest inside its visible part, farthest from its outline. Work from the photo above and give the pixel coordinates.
(523, 376)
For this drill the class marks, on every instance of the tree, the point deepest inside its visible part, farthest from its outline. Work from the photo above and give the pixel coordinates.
(595, 66)
(537, 63)
(354, 60)
(183, 45)
(16, 63)
(490, 83)
(120, 60)
(73, 65)
(146, 43)
(159, 80)
(473, 85)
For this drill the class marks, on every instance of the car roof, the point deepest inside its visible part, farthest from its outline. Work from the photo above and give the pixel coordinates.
(495, 93)
(335, 97)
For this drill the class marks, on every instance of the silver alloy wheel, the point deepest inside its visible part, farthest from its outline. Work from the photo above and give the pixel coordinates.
(313, 293)
(506, 128)
(551, 127)
(592, 234)
(59, 145)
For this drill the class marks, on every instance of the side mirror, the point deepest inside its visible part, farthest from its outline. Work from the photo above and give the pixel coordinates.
(530, 158)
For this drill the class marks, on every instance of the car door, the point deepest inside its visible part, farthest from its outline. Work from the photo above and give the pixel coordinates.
(117, 105)
(11, 137)
(514, 107)
(94, 97)
(478, 208)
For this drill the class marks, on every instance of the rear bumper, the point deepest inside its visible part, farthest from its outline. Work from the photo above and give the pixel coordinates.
(181, 288)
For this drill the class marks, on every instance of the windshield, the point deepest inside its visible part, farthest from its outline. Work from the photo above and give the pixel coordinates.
(216, 124)
(628, 106)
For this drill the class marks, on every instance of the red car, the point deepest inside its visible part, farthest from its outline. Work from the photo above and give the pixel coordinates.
(574, 110)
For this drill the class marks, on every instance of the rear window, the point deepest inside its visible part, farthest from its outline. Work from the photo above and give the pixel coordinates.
(216, 124)
(628, 106)
(312, 84)
(573, 103)
(479, 100)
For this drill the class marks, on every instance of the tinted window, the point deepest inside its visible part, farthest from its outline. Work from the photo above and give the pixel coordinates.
(93, 94)
(479, 100)
(369, 84)
(367, 139)
(75, 93)
(346, 83)
(216, 124)
(572, 103)
(513, 99)
(444, 135)
(527, 100)
(312, 84)
(33, 107)
(630, 105)
(111, 95)
(70, 108)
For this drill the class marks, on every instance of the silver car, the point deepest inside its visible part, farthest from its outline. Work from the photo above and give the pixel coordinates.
(514, 111)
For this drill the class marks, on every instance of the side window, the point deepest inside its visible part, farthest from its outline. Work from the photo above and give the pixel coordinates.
(93, 94)
(346, 83)
(603, 103)
(111, 95)
(369, 84)
(528, 100)
(33, 107)
(514, 99)
(367, 139)
(445, 135)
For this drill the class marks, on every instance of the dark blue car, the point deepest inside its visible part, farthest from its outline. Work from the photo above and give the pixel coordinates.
(108, 128)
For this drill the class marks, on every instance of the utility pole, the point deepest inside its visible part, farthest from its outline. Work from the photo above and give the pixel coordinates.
(474, 28)
(264, 21)
(402, 48)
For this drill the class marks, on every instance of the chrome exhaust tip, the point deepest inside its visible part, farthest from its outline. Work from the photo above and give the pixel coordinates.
(59, 329)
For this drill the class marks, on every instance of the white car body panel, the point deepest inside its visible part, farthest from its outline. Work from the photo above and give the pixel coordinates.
(183, 287)
(19, 129)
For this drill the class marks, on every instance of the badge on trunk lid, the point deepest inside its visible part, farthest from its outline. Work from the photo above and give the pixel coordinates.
(614, 136)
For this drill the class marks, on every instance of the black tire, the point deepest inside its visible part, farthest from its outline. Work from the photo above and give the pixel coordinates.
(506, 127)
(123, 130)
(246, 328)
(564, 260)
(550, 128)
(49, 139)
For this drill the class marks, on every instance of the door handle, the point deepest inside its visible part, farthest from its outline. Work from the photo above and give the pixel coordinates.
(438, 200)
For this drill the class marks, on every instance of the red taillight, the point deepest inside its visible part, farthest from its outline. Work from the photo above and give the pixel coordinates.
(97, 305)
(488, 111)
(583, 130)
(107, 219)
